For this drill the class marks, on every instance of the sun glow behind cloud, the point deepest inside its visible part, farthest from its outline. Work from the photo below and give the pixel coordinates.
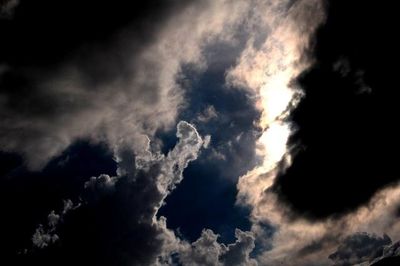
(268, 73)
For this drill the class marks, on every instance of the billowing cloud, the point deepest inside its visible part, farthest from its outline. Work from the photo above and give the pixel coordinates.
(137, 197)
(207, 251)
(152, 178)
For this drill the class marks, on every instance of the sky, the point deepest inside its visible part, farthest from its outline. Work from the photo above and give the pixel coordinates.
(199, 132)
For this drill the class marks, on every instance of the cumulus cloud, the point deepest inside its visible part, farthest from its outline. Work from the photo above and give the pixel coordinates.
(207, 251)
(101, 184)
(42, 238)
(204, 251)
(136, 196)
(46, 234)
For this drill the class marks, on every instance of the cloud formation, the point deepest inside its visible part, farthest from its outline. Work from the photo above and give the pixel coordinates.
(46, 234)
(137, 197)
(132, 88)
(119, 101)
(270, 72)
(207, 251)
(358, 248)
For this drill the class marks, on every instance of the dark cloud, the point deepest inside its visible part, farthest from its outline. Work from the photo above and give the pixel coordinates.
(85, 61)
(55, 31)
(7, 8)
(392, 261)
(110, 75)
(358, 248)
(346, 139)
(390, 256)
(27, 198)
(122, 74)
(118, 226)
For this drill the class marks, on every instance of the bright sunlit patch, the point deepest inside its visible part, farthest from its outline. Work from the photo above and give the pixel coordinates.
(273, 143)
(275, 97)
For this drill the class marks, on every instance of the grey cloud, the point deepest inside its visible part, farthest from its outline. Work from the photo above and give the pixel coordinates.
(217, 155)
(102, 183)
(46, 234)
(42, 238)
(118, 93)
(207, 141)
(136, 194)
(204, 251)
(207, 114)
(162, 172)
(389, 251)
(238, 253)
(53, 219)
(346, 70)
(358, 248)
(207, 251)
(342, 65)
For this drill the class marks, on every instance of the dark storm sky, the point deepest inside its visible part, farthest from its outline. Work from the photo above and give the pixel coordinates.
(131, 133)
